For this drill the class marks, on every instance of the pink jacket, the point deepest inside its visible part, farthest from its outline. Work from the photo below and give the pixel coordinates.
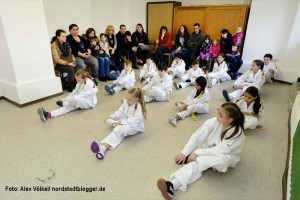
(237, 39)
(214, 50)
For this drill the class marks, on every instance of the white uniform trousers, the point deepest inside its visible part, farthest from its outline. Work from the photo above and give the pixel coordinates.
(250, 122)
(238, 93)
(196, 108)
(72, 104)
(192, 171)
(120, 87)
(178, 74)
(156, 94)
(186, 84)
(268, 77)
(215, 78)
(118, 134)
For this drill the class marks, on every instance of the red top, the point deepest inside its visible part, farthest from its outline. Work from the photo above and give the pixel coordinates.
(166, 41)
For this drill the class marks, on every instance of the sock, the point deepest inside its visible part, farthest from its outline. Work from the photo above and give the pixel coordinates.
(102, 149)
(48, 114)
(176, 183)
(177, 117)
(180, 86)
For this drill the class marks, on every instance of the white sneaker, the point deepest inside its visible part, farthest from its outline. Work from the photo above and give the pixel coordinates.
(110, 122)
(173, 122)
(209, 82)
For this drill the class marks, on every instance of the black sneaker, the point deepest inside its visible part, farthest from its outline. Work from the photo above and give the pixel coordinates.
(43, 114)
(226, 96)
(166, 188)
(59, 103)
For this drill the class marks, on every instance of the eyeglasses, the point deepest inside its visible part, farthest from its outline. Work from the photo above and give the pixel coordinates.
(47, 179)
(221, 115)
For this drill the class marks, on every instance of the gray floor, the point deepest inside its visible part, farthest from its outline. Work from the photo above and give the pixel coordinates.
(30, 148)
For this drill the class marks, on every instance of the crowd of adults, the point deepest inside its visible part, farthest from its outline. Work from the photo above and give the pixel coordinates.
(105, 55)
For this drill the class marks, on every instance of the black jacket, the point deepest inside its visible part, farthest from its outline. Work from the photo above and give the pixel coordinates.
(137, 38)
(178, 44)
(75, 46)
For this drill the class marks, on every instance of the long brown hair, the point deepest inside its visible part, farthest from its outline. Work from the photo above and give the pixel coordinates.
(138, 93)
(238, 119)
(83, 73)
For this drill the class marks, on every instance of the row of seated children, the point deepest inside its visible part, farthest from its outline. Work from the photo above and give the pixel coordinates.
(223, 134)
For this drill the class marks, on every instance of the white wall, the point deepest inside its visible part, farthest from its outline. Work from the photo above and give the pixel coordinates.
(61, 13)
(273, 28)
(27, 70)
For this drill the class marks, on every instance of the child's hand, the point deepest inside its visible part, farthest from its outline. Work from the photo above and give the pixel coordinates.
(183, 107)
(180, 158)
(117, 123)
(192, 157)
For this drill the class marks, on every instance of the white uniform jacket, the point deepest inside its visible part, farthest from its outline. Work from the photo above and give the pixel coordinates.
(131, 116)
(177, 68)
(271, 66)
(151, 70)
(126, 78)
(251, 79)
(242, 104)
(202, 98)
(219, 70)
(207, 141)
(87, 90)
(193, 74)
(164, 83)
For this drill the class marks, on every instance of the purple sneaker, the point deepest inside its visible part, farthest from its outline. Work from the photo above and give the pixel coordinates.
(96, 149)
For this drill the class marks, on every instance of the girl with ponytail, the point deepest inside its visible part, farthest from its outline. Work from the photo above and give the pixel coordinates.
(83, 97)
(216, 144)
(196, 102)
(251, 106)
(127, 120)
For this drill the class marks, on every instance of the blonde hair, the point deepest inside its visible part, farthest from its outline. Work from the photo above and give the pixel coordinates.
(83, 73)
(109, 27)
(138, 93)
(128, 62)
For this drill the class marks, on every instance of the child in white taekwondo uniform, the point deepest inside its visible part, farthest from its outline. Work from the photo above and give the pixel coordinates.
(217, 144)
(219, 73)
(189, 78)
(195, 103)
(127, 120)
(177, 68)
(270, 68)
(254, 77)
(148, 71)
(250, 104)
(160, 87)
(83, 97)
(124, 81)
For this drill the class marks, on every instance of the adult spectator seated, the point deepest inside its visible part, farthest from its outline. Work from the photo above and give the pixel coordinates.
(232, 56)
(141, 42)
(99, 53)
(125, 45)
(195, 39)
(115, 54)
(82, 51)
(181, 40)
(164, 45)
(63, 59)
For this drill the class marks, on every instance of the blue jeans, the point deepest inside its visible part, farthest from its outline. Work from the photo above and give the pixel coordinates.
(207, 61)
(188, 57)
(104, 64)
(234, 63)
(159, 54)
